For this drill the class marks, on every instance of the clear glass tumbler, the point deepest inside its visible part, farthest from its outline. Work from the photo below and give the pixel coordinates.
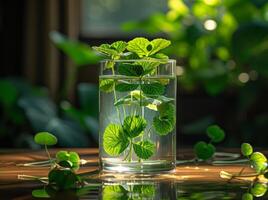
(137, 115)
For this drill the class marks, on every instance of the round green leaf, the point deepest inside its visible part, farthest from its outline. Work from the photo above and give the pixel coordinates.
(62, 155)
(114, 192)
(162, 126)
(114, 140)
(125, 87)
(144, 149)
(106, 85)
(258, 161)
(259, 189)
(215, 133)
(45, 138)
(153, 88)
(203, 150)
(134, 125)
(246, 149)
(247, 196)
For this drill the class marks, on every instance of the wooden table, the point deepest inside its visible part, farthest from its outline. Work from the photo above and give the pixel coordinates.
(13, 188)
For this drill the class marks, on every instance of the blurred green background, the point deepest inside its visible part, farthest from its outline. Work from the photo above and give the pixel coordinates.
(49, 74)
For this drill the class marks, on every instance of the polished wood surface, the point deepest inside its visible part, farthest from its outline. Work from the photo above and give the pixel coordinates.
(9, 171)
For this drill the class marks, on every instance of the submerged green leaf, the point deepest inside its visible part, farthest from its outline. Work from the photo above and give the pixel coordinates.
(126, 87)
(203, 150)
(144, 190)
(134, 125)
(144, 149)
(45, 138)
(129, 69)
(162, 126)
(215, 133)
(153, 89)
(246, 149)
(106, 85)
(114, 140)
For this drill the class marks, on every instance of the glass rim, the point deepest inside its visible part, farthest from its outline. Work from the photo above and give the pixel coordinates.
(142, 60)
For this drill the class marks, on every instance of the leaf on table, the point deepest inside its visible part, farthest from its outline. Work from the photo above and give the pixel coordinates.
(258, 189)
(258, 161)
(144, 149)
(114, 140)
(203, 150)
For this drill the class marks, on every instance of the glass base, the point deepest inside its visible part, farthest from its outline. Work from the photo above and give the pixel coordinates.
(110, 165)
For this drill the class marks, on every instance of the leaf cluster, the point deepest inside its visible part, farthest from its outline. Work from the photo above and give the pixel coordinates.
(117, 138)
(205, 151)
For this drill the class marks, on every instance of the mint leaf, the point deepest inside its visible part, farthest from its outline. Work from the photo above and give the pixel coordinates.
(119, 46)
(144, 149)
(246, 149)
(130, 69)
(162, 126)
(167, 111)
(203, 150)
(258, 161)
(153, 88)
(164, 123)
(134, 125)
(106, 50)
(114, 140)
(149, 65)
(106, 85)
(215, 133)
(159, 44)
(125, 87)
(161, 56)
(139, 46)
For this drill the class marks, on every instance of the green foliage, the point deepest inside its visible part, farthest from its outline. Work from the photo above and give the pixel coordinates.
(215, 133)
(144, 149)
(153, 89)
(72, 159)
(40, 193)
(125, 87)
(247, 196)
(45, 138)
(113, 51)
(144, 48)
(246, 149)
(204, 151)
(258, 161)
(134, 126)
(258, 189)
(106, 85)
(63, 179)
(164, 122)
(130, 69)
(80, 53)
(114, 140)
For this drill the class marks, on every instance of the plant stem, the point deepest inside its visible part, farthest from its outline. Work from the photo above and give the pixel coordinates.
(48, 154)
(130, 151)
